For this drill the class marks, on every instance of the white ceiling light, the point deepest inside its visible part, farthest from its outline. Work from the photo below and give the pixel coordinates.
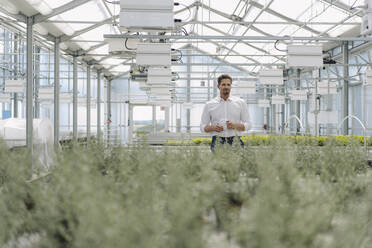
(34, 2)
(10, 7)
(40, 29)
(83, 45)
(63, 46)
(41, 6)
(64, 27)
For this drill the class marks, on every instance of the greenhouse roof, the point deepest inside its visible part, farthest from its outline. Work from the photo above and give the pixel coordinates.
(82, 24)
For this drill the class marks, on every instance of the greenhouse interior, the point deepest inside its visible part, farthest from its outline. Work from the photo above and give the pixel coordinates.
(193, 123)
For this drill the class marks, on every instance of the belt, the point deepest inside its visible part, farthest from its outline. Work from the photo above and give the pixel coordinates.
(223, 140)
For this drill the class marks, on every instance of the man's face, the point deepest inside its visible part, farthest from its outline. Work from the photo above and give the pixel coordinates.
(225, 87)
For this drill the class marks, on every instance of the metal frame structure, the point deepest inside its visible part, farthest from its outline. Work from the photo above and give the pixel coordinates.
(237, 35)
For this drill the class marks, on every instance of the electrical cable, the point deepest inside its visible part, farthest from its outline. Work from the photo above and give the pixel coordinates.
(126, 46)
(184, 31)
(275, 45)
(180, 57)
(352, 6)
(112, 2)
(188, 8)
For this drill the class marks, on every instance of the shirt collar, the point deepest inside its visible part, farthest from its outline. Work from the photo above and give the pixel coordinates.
(220, 99)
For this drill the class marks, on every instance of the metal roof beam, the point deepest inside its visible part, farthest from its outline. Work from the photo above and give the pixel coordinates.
(277, 14)
(71, 5)
(233, 51)
(120, 75)
(230, 17)
(204, 6)
(195, 18)
(342, 6)
(19, 17)
(222, 60)
(97, 46)
(245, 43)
(65, 38)
(239, 38)
(224, 64)
(186, 8)
(243, 23)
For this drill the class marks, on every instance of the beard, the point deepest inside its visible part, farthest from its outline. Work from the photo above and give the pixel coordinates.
(226, 92)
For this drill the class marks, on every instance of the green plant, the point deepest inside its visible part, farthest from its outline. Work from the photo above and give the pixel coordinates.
(285, 193)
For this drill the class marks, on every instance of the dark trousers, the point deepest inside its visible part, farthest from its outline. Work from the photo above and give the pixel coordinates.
(223, 140)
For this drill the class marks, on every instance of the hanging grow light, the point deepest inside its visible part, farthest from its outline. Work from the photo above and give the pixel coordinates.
(264, 103)
(327, 88)
(14, 86)
(304, 56)
(271, 77)
(277, 100)
(246, 87)
(298, 95)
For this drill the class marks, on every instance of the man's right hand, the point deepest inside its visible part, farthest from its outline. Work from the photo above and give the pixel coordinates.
(217, 128)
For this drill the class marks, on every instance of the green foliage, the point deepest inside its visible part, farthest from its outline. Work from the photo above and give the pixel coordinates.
(266, 140)
(286, 193)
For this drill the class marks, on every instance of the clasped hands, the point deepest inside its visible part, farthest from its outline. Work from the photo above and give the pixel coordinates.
(218, 128)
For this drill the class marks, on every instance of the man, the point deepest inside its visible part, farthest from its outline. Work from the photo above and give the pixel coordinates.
(225, 116)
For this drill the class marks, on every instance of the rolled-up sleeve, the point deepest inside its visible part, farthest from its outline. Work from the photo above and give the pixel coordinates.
(205, 118)
(246, 121)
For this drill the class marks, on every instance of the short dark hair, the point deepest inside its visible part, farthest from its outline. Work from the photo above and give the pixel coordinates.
(224, 76)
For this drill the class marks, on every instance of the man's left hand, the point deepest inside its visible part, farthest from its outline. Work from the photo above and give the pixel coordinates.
(237, 126)
(230, 125)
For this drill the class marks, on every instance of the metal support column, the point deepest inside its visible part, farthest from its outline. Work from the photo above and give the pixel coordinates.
(74, 100)
(166, 117)
(265, 116)
(269, 112)
(273, 114)
(56, 92)
(88, 102)
(153, 119)
(130, 124)
(15, 62)
(214, 86)
(317, 105)
(37, 81)
(108, 91)
(29, 87)
(298, 103)
(188, 97)
(209, 89)
(345, 88)
(99, 106)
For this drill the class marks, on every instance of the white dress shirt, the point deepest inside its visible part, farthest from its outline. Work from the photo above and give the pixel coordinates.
(218, 111)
